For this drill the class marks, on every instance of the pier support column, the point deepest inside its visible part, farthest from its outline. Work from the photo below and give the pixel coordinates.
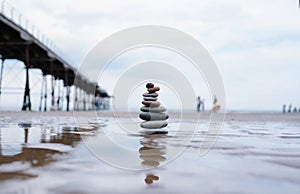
(93, 102)
(90, 102)
(84, 100)
(45, 94)
(52, 92)
(75, 99)
(42, 94)
(58, 95)
(79, 99)
(26, 99)
(62, 96)
(1, 74)
(68, 91)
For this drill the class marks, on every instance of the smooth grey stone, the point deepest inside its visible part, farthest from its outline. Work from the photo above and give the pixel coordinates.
(150, 95)
(153, 116)
(154, 124)
(150, 99)
(153, 132)
(153, 109)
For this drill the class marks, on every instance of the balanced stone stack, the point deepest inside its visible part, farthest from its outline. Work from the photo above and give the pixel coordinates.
(152, 113)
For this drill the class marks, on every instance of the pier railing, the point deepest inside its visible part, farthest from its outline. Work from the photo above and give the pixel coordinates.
(8, 11)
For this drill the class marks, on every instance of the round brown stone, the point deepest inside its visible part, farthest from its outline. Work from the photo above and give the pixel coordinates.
(154, 89)
(149, 85)
(151, 103)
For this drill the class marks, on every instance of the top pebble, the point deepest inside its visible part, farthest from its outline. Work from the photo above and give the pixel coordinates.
(149, 85)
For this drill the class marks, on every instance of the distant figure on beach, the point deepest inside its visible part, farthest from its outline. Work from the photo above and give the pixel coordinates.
(295, 109)
(215, 100)
(97, 101)
(299, 109)
(57, 103)
(283, 108)
(202, 103)
(198, 103)
(216, 107)
(290, 108)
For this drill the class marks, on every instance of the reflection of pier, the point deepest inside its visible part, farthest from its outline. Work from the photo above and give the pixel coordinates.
(37, 155)
(21, 41)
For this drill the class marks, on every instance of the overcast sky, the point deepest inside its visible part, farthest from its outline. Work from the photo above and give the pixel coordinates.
(255, 44)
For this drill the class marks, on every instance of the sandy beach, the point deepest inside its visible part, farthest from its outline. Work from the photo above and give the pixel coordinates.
(253, 153)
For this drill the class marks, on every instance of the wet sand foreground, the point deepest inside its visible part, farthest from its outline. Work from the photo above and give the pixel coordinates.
(93, 153)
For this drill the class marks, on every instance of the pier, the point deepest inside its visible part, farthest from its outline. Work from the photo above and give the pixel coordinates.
(20, 40)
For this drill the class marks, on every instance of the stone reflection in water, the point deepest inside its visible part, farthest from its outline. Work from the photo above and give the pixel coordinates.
(150, 178)
(152, 154)
(35, 154)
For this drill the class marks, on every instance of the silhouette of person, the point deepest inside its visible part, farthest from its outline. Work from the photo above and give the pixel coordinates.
(290, 108)
(97, 101)
(198, 103)
(216, 106)
(57, 102)
(295, 109)
(215, 100)
(202, 103)
(283, 108)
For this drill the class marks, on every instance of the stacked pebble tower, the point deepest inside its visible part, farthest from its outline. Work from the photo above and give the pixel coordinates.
(152, 113)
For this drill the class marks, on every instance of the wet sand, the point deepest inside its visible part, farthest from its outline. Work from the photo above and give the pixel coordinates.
(253, 153)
